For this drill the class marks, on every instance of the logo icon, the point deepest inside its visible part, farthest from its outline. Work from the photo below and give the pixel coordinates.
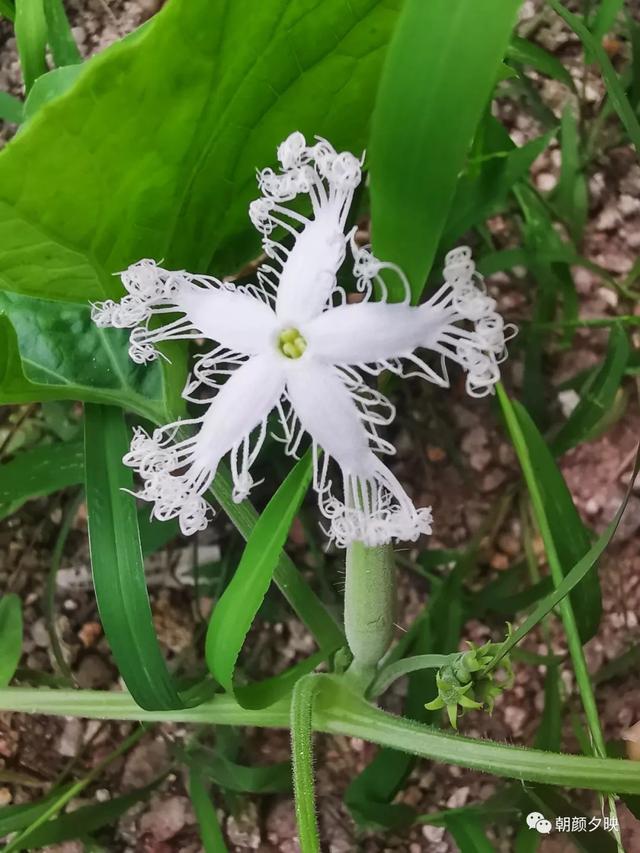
(536, 820)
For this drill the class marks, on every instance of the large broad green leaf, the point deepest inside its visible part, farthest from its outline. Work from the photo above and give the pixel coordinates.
(440, 71)
(152, 152)
(50, 86)
(52, 350)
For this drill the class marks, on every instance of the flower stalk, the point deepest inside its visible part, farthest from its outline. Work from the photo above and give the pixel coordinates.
(369, 608)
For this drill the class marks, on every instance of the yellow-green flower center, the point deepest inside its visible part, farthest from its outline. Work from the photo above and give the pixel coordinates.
(291, 343)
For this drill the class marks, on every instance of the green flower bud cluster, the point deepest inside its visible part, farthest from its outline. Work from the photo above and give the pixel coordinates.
(467, 683)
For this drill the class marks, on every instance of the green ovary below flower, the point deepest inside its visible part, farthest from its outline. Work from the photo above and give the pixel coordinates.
(291, 343)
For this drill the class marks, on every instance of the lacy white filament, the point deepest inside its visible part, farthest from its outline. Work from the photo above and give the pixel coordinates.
(291, 344)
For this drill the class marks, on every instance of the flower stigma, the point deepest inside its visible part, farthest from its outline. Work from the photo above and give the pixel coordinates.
(291, 343)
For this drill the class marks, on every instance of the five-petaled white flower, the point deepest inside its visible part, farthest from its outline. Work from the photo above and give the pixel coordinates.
(292, 342)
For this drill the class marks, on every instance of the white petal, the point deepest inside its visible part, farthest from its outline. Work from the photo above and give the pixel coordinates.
(232, 318)
(242, 403)
(308, 276)
(375, 509)
(177, 474)
(238, 318)
(327, 412)
(369, 332)
(329, 178)
(459, 323)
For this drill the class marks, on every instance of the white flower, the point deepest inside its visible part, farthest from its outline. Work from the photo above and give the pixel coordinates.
(292, 343)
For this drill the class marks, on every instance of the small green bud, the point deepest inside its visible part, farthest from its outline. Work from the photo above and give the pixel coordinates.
(465, 682)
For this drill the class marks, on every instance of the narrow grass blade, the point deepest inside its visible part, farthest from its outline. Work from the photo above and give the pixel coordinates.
(468, 834)
(68, 516)
(516, 417)
(10, 636)
(561, 526)
(539, 236)
(16, 818)
(85, 820)
(570, 581)
(8, 9)
(63, 45)
(436, 82)
(236, 610)
(549, 734)
(295, 589)
(634, 39)
(598, 395)
(605, 17)
(38, 472)
(11, 108)
(571, 196)
(484, 187)
(64, 795)
(544, 483)
(31, 39)
(116, 562)
(546, 799)
(231, 776)
(529, 53)
(612, 81)
(210, 831)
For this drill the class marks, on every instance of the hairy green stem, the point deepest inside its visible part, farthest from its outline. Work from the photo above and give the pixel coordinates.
(302, 762)
(369, 607)
(338, 711)
(405, 666)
